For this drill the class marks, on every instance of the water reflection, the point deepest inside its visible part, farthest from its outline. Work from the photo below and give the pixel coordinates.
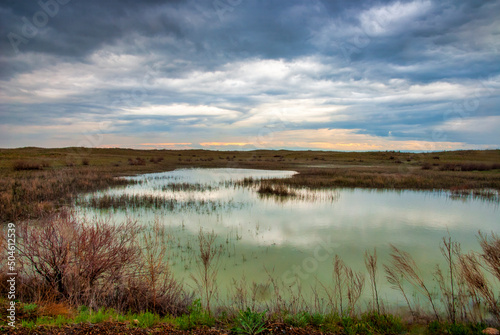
(295, 236)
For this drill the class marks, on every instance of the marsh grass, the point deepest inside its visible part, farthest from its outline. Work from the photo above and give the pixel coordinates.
(64, 279)
(35, 195)
(151, 201)
(279, 190)
(42, 183)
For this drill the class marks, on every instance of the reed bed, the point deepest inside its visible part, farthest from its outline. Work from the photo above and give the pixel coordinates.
(150, 201)
(36, 195)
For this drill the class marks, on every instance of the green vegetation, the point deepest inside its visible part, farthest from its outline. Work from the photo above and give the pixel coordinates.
(249, 322)
(91, 271)
(36, 182)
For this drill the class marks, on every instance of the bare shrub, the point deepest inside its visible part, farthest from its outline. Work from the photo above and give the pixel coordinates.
(426, 166)
(156, 160)
(80, 261)
(98, 264)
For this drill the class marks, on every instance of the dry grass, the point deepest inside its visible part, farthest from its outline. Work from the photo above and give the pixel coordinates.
(371, 266)
(208, 266)
(403, 266)
(35, 182)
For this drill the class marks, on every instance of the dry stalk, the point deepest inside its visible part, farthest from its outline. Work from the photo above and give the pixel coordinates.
(371, 266)
(404, 265)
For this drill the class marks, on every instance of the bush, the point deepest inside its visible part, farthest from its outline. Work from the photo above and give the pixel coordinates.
(137, 161)
(25, 165)
(79, 261)
(426, 166)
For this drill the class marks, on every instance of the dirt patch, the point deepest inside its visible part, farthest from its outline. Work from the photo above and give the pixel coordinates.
(124, 328)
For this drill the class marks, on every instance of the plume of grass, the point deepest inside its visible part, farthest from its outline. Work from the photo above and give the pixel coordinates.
(470, 269)
(448, 286)
(491, 253)
(371, 266)
(396, 281)
(403, 265)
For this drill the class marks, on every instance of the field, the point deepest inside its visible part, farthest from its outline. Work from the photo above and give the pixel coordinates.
(117, 279)
(35, 182)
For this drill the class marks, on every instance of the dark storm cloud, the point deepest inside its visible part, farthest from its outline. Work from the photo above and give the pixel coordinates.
(388, 69)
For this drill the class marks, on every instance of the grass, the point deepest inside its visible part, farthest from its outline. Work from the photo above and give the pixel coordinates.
(252, 322)
(36, 182)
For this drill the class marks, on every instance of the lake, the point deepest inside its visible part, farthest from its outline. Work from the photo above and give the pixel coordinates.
(293, 239)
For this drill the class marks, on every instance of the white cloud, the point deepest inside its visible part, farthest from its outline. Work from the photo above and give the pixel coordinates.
(386, 19)
(181, 110)
(299, 111)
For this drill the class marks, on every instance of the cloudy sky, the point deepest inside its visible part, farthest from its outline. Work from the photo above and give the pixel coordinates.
(247, 74)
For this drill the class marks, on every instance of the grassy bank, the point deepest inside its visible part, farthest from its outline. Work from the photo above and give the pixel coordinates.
(47, 320)
(35, 182)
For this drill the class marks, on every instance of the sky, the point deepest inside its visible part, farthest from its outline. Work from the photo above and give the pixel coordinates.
(346, 75)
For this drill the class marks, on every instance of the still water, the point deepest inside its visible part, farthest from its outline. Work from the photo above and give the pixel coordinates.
(294, 239)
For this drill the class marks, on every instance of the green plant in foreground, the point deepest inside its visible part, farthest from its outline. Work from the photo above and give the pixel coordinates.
(87, 315)
(436, 327)
(298, 320)
(30, 308)
(147, 319)
(28, 324)
(197, 317)
(383, 323)
(59, 321)
(249, 322)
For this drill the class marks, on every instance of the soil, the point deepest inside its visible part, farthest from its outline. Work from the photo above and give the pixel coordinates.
(124, 328)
